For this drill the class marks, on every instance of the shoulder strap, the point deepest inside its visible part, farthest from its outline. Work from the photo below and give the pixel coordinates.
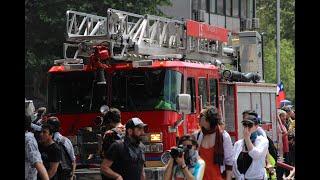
(64, 149)
(199, 138)
(198, 134)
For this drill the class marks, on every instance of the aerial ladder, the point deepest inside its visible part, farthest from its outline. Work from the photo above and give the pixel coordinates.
(132, 37)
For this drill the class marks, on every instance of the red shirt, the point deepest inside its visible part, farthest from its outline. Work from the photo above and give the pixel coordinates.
(285, 141)
(212, 170)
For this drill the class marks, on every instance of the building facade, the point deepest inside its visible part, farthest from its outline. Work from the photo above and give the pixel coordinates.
(234, 15)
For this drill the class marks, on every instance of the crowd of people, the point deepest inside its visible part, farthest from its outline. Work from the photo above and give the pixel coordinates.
(48, 154)
(207, 154)
(286, 121)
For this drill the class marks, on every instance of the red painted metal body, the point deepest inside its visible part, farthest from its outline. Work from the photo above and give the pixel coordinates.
(157, 120)
(203, 30)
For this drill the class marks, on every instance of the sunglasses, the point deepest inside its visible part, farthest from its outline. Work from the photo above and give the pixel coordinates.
(246, 124)
(189, 146)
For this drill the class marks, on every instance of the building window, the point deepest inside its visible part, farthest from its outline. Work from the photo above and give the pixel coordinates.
(195, 4)
(220, 7)
(203, 5)
(243, 8)
(213, 92)
(212, 6)
(191, 90)
(202, 88)
(235, 8)
(228, 7)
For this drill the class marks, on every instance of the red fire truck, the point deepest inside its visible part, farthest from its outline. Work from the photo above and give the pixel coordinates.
(140, 65)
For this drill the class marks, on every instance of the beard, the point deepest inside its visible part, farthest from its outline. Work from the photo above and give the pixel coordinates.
(135, 140)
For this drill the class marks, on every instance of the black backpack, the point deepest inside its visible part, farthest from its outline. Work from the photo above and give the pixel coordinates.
(65, 166)
(110, 138)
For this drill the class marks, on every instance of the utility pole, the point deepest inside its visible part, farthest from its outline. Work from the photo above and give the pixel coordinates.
(262, 46)
(278, 41)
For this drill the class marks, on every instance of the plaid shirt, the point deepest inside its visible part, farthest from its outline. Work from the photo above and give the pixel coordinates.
(32, 156)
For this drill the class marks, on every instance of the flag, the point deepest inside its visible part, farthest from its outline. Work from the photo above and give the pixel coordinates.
(280, 94)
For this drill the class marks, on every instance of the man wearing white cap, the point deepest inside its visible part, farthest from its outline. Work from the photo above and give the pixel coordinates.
(125, 159)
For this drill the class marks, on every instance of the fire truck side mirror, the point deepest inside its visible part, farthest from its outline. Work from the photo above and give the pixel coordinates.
(184, 103)
(104, 109)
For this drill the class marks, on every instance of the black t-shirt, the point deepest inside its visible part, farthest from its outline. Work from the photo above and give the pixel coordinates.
(128, 160)
(50, 154)
(244, 161)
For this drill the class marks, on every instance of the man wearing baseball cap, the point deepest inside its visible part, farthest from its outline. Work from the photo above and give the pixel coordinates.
(125, 159)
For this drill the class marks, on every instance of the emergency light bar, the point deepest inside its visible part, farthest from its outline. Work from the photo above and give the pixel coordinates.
(142, 63)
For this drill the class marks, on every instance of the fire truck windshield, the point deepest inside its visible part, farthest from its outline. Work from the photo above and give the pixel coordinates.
(139, 90)
(75, 92)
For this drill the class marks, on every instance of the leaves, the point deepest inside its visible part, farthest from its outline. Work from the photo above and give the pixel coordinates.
(45, 26)
(266, 11)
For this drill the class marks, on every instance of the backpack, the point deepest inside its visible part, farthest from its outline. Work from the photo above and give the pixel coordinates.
(65, 166)
(272, 149)
(110, 137)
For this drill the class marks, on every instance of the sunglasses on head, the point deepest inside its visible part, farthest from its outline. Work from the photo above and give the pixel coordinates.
(247, 124)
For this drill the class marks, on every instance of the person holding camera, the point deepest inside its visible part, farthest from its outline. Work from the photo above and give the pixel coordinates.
(185, 162)
(250, 152)
(215, 145)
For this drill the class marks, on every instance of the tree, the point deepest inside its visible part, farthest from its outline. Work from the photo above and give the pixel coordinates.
(45, 32)
(287, 75)
(266, 12)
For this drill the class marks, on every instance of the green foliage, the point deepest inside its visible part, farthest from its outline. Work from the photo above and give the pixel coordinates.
(287, 66)
(45, 23)
(266, 12)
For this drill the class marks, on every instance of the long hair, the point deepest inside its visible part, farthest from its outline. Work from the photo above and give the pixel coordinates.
(213, 116)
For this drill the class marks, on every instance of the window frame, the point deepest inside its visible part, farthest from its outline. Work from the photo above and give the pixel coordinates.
(232, 8)
(206, 91)
(192, 93)
(216, 101)
(223, 12)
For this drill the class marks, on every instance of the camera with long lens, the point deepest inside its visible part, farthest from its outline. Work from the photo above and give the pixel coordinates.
(177, 151)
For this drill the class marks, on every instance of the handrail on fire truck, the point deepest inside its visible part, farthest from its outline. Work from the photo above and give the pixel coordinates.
(128, 35)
